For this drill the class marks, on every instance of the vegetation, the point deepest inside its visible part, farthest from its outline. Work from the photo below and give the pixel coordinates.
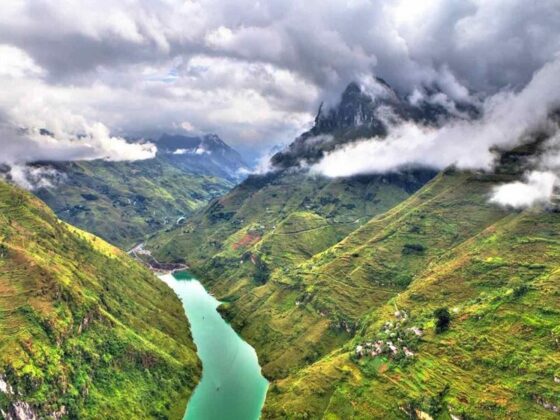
(499, 276)
(122, 202)
(495, 270)
(344, 324)
(443, 318)
(85, 332)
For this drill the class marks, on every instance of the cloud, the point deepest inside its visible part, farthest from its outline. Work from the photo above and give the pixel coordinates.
(538, 187)
(255, 72)
(32, 178)
(36, 124)
(21, 146)
(508, 117)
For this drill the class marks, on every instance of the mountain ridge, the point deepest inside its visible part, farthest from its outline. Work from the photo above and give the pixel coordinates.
(80, 321)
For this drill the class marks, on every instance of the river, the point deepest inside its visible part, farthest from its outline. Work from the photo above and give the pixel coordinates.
(232, 386)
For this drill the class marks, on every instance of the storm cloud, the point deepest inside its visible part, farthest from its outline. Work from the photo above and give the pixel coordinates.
(253, 72)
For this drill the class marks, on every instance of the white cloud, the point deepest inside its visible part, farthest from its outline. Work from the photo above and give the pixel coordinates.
(16, 63)
(507, 118)
(29, 104)
(538, 187)
(32, 178)
(255, 71)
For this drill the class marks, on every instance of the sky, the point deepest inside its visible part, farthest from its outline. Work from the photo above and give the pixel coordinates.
(93, 72)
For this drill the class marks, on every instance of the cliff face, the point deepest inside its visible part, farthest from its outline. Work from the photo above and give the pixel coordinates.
(85, 331)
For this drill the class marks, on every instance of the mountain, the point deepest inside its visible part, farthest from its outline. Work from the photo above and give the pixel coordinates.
(85, 331)
(493, 271)
(122, 202)
(359, 114)
(204, 155)
(263, 202)
(403, 295)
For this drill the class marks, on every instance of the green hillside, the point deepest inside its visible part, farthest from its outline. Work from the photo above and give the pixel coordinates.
(305, 301)
(385, 296)
(122, 202)
(85, 331)
(499, 358)
(261, 211)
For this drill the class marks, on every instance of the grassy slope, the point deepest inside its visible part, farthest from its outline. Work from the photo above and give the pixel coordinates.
(306, 310)
(84, 326)
(272, 222)
(263, 207)
(499, 277)
(124, 201)
(329, 284)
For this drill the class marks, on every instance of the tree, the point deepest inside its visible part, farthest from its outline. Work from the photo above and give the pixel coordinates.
(3, 251)
(443, 318)
(262, 271)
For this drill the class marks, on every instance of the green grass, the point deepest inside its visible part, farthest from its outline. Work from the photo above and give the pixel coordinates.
(82, 325)
(499, 277)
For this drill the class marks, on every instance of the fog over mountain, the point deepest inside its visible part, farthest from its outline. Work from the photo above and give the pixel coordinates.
(469, 144)
(95, 72)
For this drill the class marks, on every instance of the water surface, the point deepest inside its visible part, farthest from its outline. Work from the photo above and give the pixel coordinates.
(232, 386)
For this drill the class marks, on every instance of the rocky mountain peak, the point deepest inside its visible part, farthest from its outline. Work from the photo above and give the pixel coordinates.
(362, 112)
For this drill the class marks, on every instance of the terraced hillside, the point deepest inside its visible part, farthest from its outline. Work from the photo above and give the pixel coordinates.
(306, 309)
(85, 331)
(445, 246)
(253, 222)
(315, 312)
(124, 201)
(250, 219)
(496, 273)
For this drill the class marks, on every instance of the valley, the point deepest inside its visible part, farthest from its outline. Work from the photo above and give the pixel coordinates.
(124, 202)
(311, 281)
(231, 385)
(278, 210)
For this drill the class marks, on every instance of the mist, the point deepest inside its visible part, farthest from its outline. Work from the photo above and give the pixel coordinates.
(508, 119)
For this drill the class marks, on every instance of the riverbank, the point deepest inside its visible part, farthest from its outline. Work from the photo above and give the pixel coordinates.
(145, 256)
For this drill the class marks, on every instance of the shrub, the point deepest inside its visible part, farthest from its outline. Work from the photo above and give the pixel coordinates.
(443, 318)
(409, 249)
(262, 272)
(520, 291)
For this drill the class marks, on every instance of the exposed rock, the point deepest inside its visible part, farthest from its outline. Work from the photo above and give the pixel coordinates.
(5, 386)
(547, 404)
(20, 410)
(422, 415)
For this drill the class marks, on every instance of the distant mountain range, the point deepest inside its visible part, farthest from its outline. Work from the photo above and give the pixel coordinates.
(203, 155)
(124, 201)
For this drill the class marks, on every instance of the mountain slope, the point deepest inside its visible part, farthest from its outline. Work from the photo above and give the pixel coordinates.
(500, 356)
(85, 331)
(262, 202)
(124, 201)
(335, 282)
(335, 288)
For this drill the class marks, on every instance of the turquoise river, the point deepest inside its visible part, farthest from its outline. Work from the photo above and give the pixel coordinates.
(232, 386)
